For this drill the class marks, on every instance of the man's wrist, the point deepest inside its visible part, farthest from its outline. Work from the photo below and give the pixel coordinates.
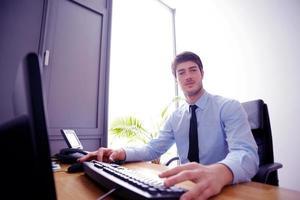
(224, 172)
(122, 157)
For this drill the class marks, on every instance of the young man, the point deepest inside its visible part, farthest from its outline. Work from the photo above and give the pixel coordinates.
(226, 152)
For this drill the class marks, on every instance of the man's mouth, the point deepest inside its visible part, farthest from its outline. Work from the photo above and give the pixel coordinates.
(189, 84)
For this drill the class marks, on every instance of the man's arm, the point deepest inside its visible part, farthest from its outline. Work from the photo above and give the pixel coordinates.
(155, 148)
(242, 158)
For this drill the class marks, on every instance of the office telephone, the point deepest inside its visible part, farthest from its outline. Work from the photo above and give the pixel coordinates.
(70, 155)
(75, 150)
(71, 138)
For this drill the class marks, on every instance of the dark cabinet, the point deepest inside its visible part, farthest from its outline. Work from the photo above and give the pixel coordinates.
(76, 45)
(20, 32)
(72, 37)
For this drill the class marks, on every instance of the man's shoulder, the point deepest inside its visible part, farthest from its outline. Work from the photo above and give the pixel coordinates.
(222, 101)
(180, 110)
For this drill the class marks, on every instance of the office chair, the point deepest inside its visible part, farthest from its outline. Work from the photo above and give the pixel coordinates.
(258, 117)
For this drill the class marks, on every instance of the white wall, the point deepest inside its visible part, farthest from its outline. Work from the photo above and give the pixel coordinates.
(251, 49)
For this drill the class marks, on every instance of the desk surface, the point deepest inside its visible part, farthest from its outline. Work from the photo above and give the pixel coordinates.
(79, 186)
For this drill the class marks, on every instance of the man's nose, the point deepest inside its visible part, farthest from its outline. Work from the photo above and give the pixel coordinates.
(188, 76)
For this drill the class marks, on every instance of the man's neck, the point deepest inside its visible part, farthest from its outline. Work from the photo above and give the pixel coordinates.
(193, 98)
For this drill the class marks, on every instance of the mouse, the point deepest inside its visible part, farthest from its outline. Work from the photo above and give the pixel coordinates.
(76, 167)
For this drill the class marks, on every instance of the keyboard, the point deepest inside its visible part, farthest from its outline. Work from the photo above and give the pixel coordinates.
(130, 184)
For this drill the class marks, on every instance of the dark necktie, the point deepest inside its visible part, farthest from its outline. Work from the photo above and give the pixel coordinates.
(193, 154)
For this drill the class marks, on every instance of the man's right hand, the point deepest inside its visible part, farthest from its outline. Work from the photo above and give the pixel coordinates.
(104, 155)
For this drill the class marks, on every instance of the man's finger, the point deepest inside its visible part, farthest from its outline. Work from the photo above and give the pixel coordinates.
(184, 175)
(177, 169)
(113, 157)
(88, 156)
(198, 192)
(100, 154)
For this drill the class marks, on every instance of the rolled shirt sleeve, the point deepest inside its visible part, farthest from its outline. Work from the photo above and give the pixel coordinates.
(242, 158)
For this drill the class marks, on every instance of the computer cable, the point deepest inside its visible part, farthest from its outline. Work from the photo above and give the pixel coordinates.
(106, 194)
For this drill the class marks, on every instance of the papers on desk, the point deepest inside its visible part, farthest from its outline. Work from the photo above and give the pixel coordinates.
(55, 166)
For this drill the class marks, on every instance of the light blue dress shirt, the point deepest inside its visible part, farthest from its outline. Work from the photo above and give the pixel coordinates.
(223, 132)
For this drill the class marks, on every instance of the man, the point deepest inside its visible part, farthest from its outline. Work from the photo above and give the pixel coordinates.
(226, 152)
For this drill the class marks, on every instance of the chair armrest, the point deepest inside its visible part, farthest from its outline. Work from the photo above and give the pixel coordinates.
(264, 172)
(171, 160)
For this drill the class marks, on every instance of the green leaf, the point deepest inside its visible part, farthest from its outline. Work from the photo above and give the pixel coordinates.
(129, 127)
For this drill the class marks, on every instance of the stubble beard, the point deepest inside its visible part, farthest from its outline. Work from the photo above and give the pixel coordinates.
(193, 93)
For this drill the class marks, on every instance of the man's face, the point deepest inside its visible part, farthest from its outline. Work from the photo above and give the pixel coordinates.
(189, 78)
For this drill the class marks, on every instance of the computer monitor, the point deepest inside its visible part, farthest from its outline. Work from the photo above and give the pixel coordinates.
(26, 170)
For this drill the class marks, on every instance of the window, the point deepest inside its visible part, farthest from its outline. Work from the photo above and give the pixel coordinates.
(141, 81)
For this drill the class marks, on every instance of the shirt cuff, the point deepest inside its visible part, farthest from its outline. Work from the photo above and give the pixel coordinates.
(237, 171)
(130, 154)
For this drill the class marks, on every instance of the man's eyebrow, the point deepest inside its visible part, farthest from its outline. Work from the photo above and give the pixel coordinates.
(180, 70)
(192, 67)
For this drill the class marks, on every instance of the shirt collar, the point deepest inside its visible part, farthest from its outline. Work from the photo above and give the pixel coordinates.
(201, 102)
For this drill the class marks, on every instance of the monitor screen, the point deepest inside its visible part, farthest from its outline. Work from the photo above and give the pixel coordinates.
(25, 160)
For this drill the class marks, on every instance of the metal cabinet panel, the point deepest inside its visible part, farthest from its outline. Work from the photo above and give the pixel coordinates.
(75, 72)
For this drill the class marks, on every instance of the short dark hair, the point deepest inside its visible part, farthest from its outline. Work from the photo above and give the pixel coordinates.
(184, 57)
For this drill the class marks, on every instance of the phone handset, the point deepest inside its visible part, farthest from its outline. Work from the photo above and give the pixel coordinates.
(70, 155)
(68, 151)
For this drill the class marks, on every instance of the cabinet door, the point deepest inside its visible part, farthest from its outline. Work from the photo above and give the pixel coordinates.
(75, 72)
(20, 32)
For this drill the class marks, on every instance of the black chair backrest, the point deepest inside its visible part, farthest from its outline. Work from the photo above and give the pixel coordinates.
(258, 117)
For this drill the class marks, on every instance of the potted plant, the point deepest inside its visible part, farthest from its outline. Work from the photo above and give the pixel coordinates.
(132, 128)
